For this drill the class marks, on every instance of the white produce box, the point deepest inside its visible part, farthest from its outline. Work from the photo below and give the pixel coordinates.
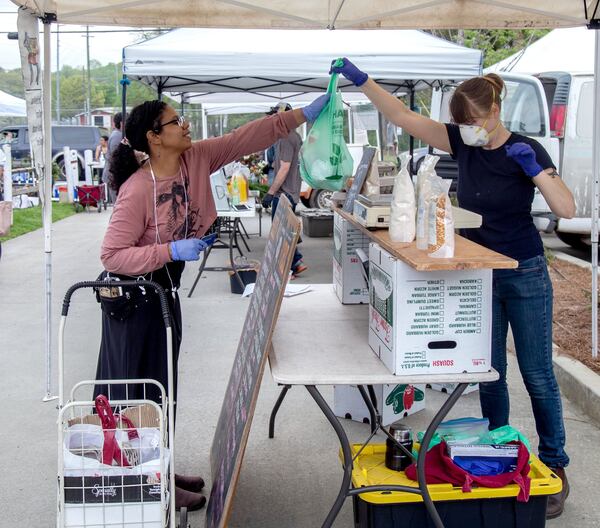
(348, 281)
(429, 322)
(394, 402)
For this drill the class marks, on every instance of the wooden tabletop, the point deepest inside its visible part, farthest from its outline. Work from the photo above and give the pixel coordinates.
(319, 341)
(467, 254)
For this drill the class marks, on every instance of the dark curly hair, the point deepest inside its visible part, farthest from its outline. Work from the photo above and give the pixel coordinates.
(141, 119)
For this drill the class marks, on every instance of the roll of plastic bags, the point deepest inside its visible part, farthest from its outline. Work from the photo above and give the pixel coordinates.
(403, 208)
(325, 161)
(425, 176)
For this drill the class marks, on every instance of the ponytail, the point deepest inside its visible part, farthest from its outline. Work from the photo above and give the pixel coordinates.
(123, 160)
(476, 96)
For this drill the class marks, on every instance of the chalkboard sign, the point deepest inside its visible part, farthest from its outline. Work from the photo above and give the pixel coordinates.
(359, 178)
(240, 398)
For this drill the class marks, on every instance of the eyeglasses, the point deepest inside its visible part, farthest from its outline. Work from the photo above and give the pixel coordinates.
(180, 120)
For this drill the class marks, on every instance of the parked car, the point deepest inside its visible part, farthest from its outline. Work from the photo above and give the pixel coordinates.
(79, 138)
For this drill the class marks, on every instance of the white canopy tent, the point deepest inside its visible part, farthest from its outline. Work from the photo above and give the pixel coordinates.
(11, 106)
(314, 14)
(568, 49)
(318, 14)
(265, 61)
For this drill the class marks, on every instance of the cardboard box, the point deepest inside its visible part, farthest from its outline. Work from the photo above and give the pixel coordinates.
(449, 387)
(348, 280)
(429, 322)
(394, 402)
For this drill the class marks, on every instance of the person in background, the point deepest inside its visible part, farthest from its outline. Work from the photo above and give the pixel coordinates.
(102, 150)
(498, 172)
(163, 210)
(113, 141)
(286, 167)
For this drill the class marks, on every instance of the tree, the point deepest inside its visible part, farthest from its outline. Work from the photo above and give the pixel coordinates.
(496, 44)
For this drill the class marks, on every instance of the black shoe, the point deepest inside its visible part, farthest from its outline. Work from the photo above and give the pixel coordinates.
(189, 483)
(188, 499)
(556, 502)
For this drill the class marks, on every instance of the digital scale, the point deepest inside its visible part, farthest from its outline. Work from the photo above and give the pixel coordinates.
(373, 212)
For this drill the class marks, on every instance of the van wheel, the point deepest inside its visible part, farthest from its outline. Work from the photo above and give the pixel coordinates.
(320, 199)
(575, 240)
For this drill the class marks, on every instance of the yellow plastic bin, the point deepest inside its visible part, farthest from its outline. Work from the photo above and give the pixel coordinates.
(481, 508)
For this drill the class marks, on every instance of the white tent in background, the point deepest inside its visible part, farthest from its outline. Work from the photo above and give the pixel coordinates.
(566, 49)
(11, 106)
(292, 61)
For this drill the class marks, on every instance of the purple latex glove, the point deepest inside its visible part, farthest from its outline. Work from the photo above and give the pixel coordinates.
(312, 111)
(348, 70)
(187, 249)
(524, 155)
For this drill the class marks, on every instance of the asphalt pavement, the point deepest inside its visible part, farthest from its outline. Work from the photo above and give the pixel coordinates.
(289, 481)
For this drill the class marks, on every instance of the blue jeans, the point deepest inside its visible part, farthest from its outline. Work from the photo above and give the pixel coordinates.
(297, 255)
(523, 298)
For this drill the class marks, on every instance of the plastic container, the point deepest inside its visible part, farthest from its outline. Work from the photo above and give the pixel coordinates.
(248, 276)
(317, 222)
(481, 508)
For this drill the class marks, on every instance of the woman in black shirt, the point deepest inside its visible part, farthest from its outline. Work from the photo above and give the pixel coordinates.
(498, 174)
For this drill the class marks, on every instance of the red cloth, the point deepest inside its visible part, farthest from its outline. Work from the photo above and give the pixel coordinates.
(440, 469)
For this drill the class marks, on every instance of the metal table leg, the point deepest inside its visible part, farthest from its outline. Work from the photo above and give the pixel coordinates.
(276, 409)
(244, 235)
(200, 270)
(232, 240)
(341, 434)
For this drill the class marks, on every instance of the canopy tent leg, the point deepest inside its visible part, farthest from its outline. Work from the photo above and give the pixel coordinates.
(125, 82)
(595, 25)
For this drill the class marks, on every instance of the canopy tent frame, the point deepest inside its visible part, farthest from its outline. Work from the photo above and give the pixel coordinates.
(432, 14)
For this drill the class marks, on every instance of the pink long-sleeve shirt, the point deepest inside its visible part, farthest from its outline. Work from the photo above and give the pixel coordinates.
(131, 245)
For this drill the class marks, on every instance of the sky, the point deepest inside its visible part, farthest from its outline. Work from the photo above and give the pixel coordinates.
(104, 47)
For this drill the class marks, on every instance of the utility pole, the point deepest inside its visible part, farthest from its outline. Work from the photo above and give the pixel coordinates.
(89, 81)
(57, 75)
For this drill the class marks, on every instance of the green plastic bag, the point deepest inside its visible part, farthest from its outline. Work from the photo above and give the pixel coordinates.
(325, 162)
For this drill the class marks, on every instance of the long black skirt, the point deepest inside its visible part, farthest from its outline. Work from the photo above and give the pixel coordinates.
(134, 343)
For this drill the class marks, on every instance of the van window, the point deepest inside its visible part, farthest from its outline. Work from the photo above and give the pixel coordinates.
(73, 135)
(585, 115)
(522, 109)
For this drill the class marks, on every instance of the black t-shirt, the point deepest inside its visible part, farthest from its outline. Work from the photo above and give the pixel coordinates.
(495, 186)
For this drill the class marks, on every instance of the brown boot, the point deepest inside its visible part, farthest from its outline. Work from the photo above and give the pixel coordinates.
(556, 502)
(188, 499)
(189, 483)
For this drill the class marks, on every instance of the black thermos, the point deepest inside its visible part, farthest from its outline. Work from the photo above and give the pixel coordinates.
(395, 458)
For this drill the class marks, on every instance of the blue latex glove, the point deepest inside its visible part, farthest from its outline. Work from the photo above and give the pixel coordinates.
(524, 155)
(187, 249)
(348, 70)
(312, 111)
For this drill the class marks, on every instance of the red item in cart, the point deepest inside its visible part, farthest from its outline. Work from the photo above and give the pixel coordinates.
(110, 450)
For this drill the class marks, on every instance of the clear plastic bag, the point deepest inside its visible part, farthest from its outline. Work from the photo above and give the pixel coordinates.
(440, 222)
(403, 208)
(325, 161)
(461, 431)
(371, 186)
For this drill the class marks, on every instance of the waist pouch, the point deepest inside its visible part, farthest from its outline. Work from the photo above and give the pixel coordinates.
(120, 302)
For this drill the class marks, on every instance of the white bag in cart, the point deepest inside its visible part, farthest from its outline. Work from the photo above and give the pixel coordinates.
(89, 439)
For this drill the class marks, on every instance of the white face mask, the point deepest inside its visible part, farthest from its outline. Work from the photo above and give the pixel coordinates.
(476, 135)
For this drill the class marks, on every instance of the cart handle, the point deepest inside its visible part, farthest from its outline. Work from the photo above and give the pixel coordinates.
(127, 283)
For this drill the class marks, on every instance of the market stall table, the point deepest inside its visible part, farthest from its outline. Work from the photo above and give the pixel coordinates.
(318, 341)
(234, 217)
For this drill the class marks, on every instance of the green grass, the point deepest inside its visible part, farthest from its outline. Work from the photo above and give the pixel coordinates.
(26, 220)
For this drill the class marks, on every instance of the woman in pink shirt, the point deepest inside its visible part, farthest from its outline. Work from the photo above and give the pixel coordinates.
(164, 206)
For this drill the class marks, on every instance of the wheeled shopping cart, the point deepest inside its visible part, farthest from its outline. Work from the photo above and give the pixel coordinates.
(92, 195)
(116, 466)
